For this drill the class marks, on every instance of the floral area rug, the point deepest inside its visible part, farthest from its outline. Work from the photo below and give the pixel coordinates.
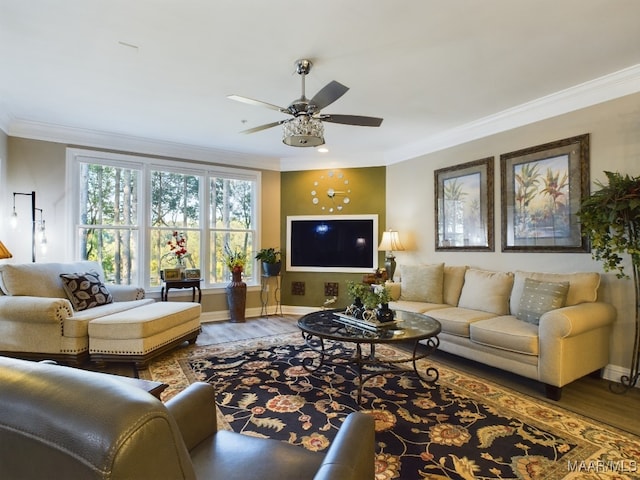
(460, 428)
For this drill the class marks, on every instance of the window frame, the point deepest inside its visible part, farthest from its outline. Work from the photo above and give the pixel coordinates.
(147, 164)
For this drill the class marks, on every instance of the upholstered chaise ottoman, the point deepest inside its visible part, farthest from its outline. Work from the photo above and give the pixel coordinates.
(139, 334)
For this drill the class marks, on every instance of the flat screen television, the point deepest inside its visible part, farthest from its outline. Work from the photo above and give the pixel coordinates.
(332, 243)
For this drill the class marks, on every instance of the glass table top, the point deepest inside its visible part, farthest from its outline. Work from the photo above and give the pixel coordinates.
(408, 326)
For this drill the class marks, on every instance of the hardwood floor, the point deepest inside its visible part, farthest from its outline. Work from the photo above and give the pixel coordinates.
(588, 396)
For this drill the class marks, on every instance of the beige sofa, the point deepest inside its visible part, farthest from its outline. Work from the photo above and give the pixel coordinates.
(41, 318)
(546, 326)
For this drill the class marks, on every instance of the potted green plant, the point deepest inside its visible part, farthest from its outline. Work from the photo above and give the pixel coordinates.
(271, 262)
(610, 218)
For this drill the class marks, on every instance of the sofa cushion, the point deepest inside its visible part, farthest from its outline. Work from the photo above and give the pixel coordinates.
(422, 283)
(41, 279)
(416, 307)
(539, 298)
(506, 333)
(85, 290)
(77, 325)
(583, 286)
(456, 320)
(452, 284)
(487, 291)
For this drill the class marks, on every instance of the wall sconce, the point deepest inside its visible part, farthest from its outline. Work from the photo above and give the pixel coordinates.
(42, 237)
(390, 242)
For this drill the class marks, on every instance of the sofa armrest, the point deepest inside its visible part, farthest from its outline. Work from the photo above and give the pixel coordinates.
(351, 454)
(34, 309)
(576, 319)
(194, 410)
(125, 293)
(574, 342)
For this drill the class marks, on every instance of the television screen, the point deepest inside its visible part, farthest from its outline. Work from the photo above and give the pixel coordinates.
(337, 243)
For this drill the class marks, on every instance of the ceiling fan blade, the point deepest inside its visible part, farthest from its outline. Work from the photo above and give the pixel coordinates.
(258, 103)
(328, 94)
(352, 120)
(263, 127)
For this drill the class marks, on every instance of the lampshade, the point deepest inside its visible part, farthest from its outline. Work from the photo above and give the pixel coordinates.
(303, 131)
(390, 242)
(4, 253)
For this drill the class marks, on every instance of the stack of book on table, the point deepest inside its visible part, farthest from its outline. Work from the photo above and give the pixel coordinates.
(362, 323)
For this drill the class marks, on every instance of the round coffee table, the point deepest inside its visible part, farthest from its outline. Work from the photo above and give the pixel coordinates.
(326, 333)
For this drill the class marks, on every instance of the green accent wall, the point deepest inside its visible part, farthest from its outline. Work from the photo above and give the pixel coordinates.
(367, 196)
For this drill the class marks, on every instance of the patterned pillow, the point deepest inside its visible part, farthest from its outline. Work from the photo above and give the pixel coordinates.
(540, 297)
(85, 290)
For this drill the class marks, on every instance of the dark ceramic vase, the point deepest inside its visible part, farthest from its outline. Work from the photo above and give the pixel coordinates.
(237, 297)
(384, 314)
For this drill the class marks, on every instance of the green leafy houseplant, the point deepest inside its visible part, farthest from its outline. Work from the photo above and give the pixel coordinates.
(271, 262)
(357, 290)
(610, 218)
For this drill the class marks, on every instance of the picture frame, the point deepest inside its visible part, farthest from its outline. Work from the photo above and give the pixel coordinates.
(172, 274)
(542, 188)
(192, 274)
(464, 207)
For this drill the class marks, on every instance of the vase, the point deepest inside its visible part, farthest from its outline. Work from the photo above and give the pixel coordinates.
(384, 313)
(182, 266)
(236, 297)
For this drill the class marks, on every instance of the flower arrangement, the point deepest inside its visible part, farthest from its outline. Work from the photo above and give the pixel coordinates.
(370, 295)
(178, 247)
(357, 290)
(234, 259)
(382, 294)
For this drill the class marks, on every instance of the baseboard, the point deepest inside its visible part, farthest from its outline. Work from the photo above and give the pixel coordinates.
(614, 372)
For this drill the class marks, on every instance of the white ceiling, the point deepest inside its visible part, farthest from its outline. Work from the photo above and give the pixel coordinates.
(158, 72)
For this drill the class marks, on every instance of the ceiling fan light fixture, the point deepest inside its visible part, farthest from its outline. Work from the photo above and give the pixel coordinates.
(303, 131)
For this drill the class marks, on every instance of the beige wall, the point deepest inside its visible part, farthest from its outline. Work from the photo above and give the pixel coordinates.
(614, 129)
(40, 166)
(4, 209)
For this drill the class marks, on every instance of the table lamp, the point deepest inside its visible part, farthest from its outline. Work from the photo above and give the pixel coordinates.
(390, 242)
(4, 252)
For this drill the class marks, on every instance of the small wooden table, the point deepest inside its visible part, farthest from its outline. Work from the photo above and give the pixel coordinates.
(154, 388)
(193, 284)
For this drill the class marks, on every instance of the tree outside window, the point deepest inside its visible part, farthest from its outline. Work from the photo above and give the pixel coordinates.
(130, 207)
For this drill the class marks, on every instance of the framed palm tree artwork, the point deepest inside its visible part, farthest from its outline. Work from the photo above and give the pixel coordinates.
(464, 207)
(542, 188)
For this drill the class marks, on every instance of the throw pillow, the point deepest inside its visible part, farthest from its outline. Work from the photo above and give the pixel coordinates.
(539, 298)
(422, 283)
(85, 290)
(486, 291)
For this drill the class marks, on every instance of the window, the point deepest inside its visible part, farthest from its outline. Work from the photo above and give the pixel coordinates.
(129, 208)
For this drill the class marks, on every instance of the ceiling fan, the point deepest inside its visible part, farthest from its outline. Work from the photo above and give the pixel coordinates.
(305, 129)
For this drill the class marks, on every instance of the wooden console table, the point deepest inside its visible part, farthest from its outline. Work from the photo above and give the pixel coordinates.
(193, 284)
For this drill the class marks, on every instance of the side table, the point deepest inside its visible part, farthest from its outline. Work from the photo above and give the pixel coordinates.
(193, 284)
(264, 294)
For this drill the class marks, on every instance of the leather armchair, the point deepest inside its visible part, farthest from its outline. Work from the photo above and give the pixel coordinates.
(62, 422)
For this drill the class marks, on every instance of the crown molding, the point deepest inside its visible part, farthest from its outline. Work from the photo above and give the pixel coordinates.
(609, 87)
(128, 143)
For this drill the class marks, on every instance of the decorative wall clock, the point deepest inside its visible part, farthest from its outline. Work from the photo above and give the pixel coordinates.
(331, 192)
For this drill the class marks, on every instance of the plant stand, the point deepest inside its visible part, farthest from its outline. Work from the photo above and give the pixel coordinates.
(629, 381)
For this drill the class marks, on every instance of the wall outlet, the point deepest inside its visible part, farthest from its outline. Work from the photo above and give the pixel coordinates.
(331, 289)
(297, 288)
